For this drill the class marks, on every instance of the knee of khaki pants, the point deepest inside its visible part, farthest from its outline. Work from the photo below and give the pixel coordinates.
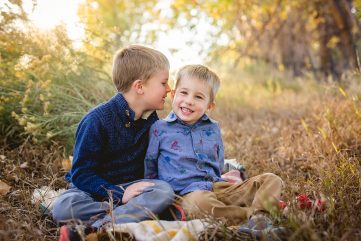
(274, 183)
(198, 202)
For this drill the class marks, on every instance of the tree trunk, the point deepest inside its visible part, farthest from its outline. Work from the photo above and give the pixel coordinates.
(341, 13)
(327, 66)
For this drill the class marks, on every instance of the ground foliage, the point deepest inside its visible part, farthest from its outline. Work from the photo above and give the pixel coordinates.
(308, 134)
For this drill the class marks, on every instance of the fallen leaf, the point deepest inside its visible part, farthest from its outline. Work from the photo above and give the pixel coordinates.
(4, 188)
(66, 164)
(2, 157)
(24, 165)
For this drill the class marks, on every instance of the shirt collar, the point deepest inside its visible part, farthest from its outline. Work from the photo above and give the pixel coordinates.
(173, 117)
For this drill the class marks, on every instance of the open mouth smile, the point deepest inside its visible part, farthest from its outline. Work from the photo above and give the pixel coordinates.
(186, 111)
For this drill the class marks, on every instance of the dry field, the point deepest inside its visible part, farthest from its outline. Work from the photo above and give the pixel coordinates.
(306, 132)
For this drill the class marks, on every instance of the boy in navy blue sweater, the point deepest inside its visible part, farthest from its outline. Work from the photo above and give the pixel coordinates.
(106, 178)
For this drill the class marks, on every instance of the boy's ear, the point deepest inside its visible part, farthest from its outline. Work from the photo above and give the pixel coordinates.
(211, 106)
(138, 86)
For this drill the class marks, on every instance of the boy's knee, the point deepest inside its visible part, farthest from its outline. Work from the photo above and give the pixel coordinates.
(164, 191)
(198, 202)
(62, 207)
(272, 177)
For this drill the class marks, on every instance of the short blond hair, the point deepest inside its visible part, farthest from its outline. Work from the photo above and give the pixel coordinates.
(136, 62)
(202, 73)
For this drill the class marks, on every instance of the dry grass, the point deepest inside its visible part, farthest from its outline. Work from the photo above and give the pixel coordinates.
(308, 133)
(312, 139)
(25, 168)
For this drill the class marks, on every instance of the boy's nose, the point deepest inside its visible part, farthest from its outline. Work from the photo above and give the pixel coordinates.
(189, 101)
(167, 88)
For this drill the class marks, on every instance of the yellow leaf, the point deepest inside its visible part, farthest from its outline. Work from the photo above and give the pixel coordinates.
(323, 132)
(342, 92)
(335, 147)
(305, 126)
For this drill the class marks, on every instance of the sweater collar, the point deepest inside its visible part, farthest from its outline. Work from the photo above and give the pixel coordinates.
(123, 106)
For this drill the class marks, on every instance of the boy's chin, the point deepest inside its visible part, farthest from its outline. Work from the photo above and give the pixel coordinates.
(156, 107)
(159, 108)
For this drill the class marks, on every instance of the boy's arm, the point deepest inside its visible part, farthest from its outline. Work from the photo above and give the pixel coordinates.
(151, 158)
(87, 153)
(232, 176)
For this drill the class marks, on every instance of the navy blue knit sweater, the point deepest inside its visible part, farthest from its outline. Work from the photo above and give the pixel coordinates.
(109, 149)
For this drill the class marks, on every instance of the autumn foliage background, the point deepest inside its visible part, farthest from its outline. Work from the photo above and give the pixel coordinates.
(289, 101)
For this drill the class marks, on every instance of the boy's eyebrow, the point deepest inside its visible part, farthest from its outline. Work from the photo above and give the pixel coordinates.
(183, 88)
(197, 92)
(201, 93)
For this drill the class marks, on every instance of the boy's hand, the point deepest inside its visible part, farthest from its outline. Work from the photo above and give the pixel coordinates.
(134, 190)
(233, 176)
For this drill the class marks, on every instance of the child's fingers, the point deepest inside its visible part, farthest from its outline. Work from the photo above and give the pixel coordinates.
(139, 185)
(146, 184)
(143, 185)
(141, 188)
(135, 190)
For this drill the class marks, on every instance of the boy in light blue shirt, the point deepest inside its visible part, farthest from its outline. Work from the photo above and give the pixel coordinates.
(186, 150)
(190, 158)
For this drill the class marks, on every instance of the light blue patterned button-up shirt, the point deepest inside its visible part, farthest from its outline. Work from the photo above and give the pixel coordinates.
(188, 157)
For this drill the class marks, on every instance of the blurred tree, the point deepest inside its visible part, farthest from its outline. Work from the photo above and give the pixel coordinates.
(46, 84)
(306, 35)
(11, 16)
(112, 24)
(346, 25)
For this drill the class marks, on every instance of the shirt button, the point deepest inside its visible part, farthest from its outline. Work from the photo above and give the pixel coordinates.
(127, 112)
(127, 125)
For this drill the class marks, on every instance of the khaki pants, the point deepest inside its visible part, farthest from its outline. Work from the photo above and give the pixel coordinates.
(236, 202)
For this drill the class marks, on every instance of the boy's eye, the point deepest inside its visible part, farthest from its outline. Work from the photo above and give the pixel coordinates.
(199, 97)
(183, 92)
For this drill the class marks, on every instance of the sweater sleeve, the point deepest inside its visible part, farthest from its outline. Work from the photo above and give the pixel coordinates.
(89, 146)
(151, 158)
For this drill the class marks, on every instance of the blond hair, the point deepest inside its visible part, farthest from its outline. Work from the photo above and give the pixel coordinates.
(202, 73)
(136, 62)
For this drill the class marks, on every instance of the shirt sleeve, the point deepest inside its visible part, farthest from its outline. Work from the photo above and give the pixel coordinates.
(220, 149)
(151, 157)
(89, 146)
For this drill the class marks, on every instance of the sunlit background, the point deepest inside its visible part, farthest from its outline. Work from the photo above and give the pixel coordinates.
(47, 14)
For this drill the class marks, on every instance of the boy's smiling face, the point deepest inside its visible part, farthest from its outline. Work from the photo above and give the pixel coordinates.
(155, 90)
(191, 99)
